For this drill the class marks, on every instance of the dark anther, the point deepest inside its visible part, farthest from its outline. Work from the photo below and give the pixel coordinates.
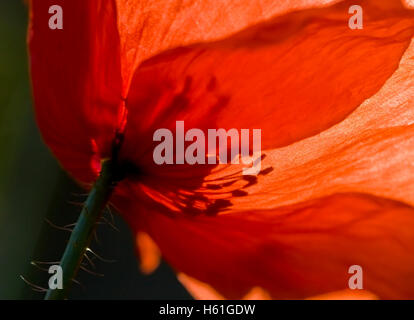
(213, 186)
(252, 180)
(217, 206)
(239, 193)
(266, 171)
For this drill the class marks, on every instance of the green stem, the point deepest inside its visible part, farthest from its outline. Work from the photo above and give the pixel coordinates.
(83, 231)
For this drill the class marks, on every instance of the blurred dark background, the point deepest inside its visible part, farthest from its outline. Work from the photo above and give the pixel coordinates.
(34, 189)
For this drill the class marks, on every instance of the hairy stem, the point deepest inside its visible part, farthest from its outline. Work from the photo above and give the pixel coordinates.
(83, 231)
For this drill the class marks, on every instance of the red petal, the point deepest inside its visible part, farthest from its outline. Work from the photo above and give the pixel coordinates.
(76, 81)
(292, 77)
(296, 251)
(81, 73)
(370, 152)
(201, 290)
(148, 27)
(148, 252)
(347, 294)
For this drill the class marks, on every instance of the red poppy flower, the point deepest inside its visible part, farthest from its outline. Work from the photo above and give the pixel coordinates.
(336, 109)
